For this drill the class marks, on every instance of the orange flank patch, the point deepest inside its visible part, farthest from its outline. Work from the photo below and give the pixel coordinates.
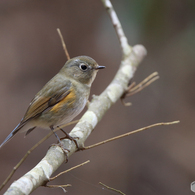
(69, 99)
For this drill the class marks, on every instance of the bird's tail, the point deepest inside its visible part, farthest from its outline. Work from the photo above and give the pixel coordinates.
(11, 135)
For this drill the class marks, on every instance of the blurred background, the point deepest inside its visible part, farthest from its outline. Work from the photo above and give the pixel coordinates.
(157, 161)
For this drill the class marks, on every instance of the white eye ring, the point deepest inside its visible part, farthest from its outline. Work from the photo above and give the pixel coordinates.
(83, 67)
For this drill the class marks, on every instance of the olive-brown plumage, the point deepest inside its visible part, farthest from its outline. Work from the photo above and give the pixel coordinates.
(62, 98)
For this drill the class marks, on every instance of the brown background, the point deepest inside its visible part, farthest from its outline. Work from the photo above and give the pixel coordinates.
(157, 161)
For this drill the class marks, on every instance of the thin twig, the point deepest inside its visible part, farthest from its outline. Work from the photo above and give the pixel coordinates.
(63, 172)
(129, 133)
(63, 44)
(29, 152)
(147, 81)
(59, 186)
(133, 88)
(112, 188)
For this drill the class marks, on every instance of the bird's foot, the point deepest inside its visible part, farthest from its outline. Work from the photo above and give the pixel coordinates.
(67, 136)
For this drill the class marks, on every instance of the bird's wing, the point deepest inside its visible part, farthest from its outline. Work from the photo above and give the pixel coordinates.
(46, 99)
(49, 97)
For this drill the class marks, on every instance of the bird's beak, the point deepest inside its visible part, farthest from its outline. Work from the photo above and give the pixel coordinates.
(99, 67)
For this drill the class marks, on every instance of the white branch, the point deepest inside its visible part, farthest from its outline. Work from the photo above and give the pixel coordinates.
(41, 173)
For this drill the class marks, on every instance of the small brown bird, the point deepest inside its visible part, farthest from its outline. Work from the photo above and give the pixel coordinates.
(61, 99)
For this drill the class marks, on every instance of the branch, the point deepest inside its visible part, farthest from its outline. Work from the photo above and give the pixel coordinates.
(130, 133)
(41, 173)
(29, 152)
(63, 44)
(72, 168)
(112, 189)
(118, 28)
(133, 88)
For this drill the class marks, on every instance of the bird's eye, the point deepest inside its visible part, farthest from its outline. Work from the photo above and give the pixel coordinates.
(83, 67)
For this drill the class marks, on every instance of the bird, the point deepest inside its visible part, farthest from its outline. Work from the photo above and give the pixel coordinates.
(61, 99)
